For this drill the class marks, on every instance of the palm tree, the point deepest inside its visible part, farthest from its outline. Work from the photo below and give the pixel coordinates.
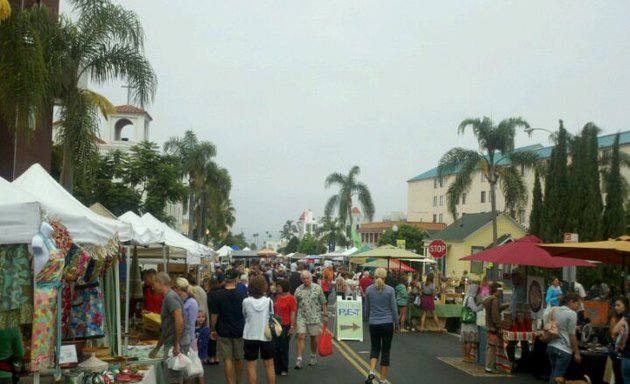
(289, 229)
(349, 187)
(331, 233)
(105, 43)
(496, 160)
(195, 156)
(214, 210)
(29, 38)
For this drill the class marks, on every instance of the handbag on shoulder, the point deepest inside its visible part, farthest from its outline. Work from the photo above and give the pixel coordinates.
(468, 316)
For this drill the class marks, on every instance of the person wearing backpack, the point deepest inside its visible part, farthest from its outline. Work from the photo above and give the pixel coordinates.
(469, 335)
(562, 349)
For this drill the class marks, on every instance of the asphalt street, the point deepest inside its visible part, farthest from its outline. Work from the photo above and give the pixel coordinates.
(415, 358)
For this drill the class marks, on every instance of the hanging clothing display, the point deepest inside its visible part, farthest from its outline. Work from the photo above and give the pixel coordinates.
(47, 285)
(88, 311)
(16, 303)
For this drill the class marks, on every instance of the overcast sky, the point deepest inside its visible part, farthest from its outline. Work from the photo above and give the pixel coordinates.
(291, 91)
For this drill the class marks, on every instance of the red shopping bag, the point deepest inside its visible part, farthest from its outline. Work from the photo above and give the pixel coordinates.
(325, 343)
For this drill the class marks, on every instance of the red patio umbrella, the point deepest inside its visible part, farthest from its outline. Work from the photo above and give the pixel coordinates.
(525, 251)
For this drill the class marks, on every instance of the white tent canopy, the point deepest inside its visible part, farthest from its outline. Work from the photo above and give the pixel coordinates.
(85, 226)
(143, 235)
(224, 251)
(19, 215)
(172, 238)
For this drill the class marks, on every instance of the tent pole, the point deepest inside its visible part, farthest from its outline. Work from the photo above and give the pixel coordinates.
(127, 297)
(116, 267)
(164, 257)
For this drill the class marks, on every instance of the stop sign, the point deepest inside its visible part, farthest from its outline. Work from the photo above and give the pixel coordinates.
(437, 248)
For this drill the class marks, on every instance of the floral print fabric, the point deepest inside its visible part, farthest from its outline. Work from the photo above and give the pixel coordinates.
(87, 312)
(47, 284)
(16, 304)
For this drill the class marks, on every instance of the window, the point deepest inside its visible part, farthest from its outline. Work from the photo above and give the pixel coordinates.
(483, 196)
(441, 183)
(441, 200)
(435, 201)
(441, 219)
(523, 170)
(521, 216)
(463, 198)
(483, 178)
(434, 218)
(435, 183)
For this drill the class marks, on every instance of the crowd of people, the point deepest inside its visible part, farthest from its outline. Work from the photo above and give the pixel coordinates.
(224, 318)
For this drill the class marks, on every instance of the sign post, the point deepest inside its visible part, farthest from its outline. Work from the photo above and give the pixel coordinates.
(348, 319)
(570, 273)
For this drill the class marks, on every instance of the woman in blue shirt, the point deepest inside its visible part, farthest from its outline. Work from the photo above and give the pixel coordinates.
(383, 320)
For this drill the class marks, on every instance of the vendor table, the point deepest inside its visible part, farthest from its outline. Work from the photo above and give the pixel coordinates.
(155, 374)
(444, 311)
(503, 360)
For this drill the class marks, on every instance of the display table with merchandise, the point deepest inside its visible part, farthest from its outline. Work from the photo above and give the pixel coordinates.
(445, 313)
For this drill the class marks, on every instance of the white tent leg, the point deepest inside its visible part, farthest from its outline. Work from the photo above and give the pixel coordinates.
(127, 296)
(164, 258)
(118, 325)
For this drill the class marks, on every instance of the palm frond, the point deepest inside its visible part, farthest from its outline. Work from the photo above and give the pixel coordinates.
(332, 202)
(513, 188)
(363, 194)
(460, 185)
(99, 101)
(334, 178)
(456, 158)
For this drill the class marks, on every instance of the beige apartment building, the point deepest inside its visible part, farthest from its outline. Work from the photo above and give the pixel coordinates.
(427, 200)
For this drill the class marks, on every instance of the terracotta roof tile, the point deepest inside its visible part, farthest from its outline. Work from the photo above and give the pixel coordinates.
(131, 109)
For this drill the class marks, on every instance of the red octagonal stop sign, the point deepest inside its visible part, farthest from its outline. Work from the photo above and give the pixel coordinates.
(437, 248)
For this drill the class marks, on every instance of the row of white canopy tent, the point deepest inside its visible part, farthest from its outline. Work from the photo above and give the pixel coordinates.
(36, 192)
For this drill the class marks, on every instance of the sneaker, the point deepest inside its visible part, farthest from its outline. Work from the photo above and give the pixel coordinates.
(284, 373)
(298, 363)
(493, 371)
(384, 381)
(370, 377)
(313, 360)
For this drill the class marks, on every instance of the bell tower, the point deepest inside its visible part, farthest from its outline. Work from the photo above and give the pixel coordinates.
(125, 128)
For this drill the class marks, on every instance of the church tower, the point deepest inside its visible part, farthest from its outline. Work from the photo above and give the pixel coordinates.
(125, 128)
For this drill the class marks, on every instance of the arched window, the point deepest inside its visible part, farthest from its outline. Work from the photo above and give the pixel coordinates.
(123, 130)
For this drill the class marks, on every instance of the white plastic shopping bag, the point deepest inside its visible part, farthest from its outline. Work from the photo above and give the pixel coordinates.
(195, 368)
(177, 363)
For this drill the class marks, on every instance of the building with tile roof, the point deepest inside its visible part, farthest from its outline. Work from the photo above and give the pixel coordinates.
(427, 200)
(472, 233)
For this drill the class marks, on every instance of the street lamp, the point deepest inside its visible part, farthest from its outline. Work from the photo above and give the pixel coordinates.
(395, 232)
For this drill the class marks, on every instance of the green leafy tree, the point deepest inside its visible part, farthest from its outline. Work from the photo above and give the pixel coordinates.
(536, 215)
(555, 203)
(214, 210)
(614, 217)
(310, 246)
(496, 160)
(230, 239)
(413, 236)
(585, 203)
(349, 187)
(292, 245)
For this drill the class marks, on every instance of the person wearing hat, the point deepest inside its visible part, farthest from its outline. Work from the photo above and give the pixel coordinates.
(226, 325)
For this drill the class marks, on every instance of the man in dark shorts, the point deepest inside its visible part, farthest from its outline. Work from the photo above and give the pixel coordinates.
(174, 332)
(226, 326)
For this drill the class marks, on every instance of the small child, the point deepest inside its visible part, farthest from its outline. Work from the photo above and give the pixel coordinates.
(202, 332)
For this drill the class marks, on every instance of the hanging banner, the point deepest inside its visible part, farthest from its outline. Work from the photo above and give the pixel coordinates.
(348, 319)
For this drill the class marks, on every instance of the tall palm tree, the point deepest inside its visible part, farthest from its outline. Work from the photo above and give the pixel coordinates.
(195, 156)
(105, 43)
(349, 188)
(496, 160)
(214, 208)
